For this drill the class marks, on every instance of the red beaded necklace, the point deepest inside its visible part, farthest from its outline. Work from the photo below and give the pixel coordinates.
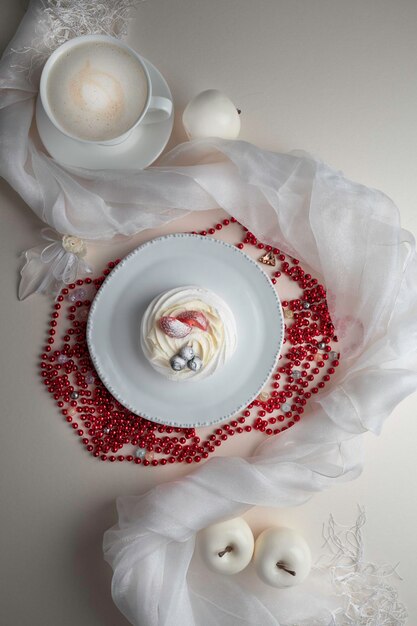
(105, 427)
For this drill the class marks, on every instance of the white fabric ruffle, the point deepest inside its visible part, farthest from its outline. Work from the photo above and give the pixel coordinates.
(49, 269)
(351, 236)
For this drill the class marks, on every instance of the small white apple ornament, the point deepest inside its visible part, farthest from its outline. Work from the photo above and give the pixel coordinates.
(226, 547)
(282, 557)
(211, 114)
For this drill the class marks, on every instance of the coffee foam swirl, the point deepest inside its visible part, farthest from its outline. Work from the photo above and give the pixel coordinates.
(97, 91)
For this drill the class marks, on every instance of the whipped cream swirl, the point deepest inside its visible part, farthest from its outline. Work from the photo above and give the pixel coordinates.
(214, 345)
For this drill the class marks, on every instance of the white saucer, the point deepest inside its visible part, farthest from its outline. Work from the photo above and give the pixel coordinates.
(162, 264)
(140, 149)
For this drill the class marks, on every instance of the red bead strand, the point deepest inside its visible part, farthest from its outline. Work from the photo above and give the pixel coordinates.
(104, 427)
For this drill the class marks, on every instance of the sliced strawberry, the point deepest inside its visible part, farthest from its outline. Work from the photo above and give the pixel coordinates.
(174, 327)
(194, 318)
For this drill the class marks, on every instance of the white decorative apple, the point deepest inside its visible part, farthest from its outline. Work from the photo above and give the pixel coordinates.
(227, 547)
(282, 557)
(211, 114)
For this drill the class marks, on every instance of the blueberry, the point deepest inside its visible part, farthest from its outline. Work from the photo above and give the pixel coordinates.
(177, 363)
(186, 353)
(195, 364)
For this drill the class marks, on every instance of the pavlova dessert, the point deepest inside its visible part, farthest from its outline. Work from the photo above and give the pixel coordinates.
(188, 333)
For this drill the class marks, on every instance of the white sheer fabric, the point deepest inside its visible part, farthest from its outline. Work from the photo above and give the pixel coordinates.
(348, 234)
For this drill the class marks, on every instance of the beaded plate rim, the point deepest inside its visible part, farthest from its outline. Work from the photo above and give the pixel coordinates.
(156, 419)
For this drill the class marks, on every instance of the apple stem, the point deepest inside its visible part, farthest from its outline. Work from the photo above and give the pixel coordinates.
(283, 566)
(225, 551)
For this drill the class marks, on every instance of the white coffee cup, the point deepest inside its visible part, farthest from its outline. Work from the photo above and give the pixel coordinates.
(155, 108)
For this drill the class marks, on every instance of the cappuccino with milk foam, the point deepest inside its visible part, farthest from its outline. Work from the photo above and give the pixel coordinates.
(97, 91)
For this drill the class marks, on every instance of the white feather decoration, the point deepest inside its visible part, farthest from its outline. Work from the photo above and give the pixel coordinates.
(65, 19)
(366, 596)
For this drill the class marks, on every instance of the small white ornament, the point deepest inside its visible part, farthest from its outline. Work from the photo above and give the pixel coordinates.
(282, 557)
(75, 245)
(227, 547)
(211, 114)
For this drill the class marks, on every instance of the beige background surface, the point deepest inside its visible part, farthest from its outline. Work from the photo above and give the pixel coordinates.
(335, 77)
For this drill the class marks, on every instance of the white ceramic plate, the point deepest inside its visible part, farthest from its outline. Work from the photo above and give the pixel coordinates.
(140, 149)
(162, 264)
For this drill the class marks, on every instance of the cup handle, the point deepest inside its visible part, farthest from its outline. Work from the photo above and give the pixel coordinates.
(159, 110)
